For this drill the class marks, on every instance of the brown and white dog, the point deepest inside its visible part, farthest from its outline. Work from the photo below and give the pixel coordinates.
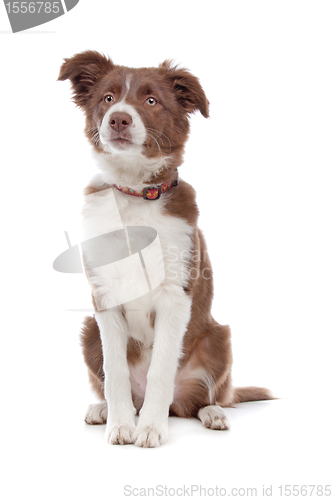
(160, 353)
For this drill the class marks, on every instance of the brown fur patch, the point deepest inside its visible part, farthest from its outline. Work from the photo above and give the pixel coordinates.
(93, 355)
(244, 394)
(134, 351)
(180, 202)
(152, 318)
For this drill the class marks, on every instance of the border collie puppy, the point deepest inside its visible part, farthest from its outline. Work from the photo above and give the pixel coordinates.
(152, 346)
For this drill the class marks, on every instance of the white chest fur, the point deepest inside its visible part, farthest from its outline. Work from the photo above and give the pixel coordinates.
(112, 210)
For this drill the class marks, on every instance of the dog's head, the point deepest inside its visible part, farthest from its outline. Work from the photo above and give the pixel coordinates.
(140, 115)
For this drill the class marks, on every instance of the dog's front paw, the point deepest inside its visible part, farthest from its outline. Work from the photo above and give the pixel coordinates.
(150, 436)
(120, 434)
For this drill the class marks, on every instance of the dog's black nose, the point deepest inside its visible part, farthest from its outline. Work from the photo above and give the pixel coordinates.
(120, 121)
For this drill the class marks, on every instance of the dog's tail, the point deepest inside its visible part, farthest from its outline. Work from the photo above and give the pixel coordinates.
(244, 394)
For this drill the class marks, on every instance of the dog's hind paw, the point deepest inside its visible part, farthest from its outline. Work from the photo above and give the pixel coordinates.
(96, 414)
(214, 417)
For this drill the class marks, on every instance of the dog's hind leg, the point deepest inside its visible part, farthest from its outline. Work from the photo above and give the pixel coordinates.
(203, 385)
(93, 356)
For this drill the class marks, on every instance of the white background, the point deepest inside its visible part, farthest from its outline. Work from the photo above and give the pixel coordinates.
(262, 168)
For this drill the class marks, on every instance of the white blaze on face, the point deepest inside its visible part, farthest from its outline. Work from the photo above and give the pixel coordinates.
(137, 129)
(128, 84)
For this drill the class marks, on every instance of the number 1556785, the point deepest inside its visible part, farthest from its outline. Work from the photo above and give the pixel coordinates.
(33, 7)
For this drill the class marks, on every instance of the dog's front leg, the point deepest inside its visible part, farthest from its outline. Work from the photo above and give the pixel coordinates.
(172, 317)
(121, 412)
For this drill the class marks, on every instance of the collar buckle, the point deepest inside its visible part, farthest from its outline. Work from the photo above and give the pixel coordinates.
(147, 191)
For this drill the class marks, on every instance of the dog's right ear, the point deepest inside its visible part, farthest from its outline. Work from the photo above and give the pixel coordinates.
(84, 70)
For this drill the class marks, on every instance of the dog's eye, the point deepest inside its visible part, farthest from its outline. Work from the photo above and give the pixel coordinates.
(108, 98)
(151, 101)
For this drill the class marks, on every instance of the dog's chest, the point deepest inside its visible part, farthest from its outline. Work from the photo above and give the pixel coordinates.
(111, 211)
(175, 238)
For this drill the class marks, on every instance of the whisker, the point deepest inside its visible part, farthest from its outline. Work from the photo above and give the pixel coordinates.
(161, 133)
(95, 137)
(152, 137)
(92, 129)
(156, 137)
(152, 134)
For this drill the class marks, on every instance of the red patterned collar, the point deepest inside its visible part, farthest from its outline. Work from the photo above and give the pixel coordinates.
(149, 193)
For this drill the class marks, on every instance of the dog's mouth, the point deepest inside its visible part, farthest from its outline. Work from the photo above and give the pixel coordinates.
(121, 140)
(118, 143)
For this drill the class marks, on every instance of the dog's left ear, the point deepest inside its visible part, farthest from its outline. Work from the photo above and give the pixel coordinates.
(84, 70)
(187, 88)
